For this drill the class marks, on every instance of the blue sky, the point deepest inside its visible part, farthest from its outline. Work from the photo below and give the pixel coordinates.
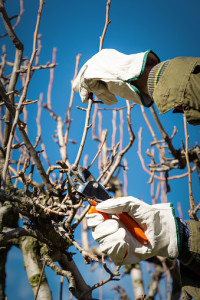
(169, 28)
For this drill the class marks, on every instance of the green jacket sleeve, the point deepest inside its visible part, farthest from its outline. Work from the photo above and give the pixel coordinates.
(190, 257)
(177, 86)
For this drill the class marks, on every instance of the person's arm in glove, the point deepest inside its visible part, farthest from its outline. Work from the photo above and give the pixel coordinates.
(157, 221)
(110, 73)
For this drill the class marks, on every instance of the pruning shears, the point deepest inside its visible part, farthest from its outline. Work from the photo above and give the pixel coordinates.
(85, 184)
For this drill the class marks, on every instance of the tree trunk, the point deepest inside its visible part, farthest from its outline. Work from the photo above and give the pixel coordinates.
(137, 281)
(30, 250)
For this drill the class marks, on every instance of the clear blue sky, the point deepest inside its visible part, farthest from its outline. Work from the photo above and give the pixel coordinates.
(169, 28)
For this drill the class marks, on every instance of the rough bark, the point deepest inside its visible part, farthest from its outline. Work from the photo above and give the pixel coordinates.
(33, 266)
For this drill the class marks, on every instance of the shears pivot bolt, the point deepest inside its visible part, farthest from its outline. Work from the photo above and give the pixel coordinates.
(95, 185)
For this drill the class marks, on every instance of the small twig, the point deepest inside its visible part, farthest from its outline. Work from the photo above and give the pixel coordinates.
(114, 128)
(125, 188)
(51, 79)
(39, 111)
(106, 25)
(94, 137)
(156, 142)
(3, 59)
(80, 217)
(116, 109)
(115, 273)
(40, 280)
(68, 116)
(149, 172)
(179, 208)
(164, 134)
(52, 168)
(103, 139)
(39, 133)
(114, 153)
(86, 127)
(27, 102)
(51, 112)
(196, 209)
(107, 22)
(125, 150)
(39, 47)
(18, 19)
(121, 129)
(97, 285)
(192, 203)
(153, 134)
(41, 67)
(81, 108)
(102, 161)
(20, 161)
(157, 192)
(174, 133)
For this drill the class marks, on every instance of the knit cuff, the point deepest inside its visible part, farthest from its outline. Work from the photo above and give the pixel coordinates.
(154, 76)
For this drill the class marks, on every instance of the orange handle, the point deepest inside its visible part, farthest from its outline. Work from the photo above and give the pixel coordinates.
(133, 227)
(130, 224)
(93, 210)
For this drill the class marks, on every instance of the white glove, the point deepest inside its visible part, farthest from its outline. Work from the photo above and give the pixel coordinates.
(108, 74)
(157, 221)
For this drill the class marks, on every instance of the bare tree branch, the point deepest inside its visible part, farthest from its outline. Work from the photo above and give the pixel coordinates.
(165, 136)
(18, 59)
(86, 127)
(192, 203)
(106, 25)
(22, 99)
(122, 152)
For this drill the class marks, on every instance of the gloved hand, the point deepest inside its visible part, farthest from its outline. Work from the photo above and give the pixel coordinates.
(108, 73)
(157, 221)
